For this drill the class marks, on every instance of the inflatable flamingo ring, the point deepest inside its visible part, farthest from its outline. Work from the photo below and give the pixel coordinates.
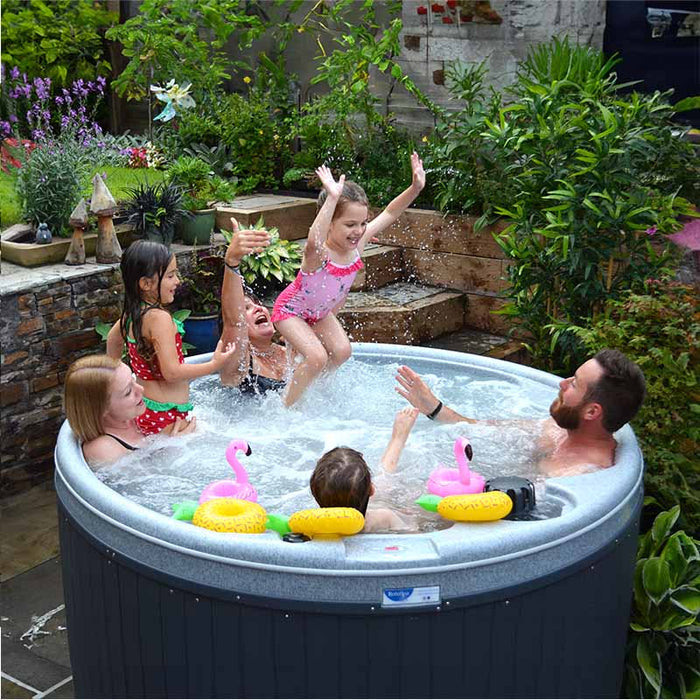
(453, 482)
(228, 488)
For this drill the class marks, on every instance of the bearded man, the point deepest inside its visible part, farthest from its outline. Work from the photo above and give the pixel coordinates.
(605, 393)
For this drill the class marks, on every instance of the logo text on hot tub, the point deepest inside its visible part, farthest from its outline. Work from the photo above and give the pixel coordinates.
(397, 597)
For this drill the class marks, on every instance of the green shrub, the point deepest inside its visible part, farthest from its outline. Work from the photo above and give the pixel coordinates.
(276, 265)
(200, 186)
(663, 653)
(660, 330)
(50, 183)
(580, 172)
(255, 139)
(61, 39)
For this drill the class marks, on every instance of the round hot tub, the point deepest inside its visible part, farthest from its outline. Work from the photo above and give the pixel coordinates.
(160, 608)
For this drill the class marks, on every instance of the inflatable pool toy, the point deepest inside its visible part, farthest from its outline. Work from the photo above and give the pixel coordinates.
(231, 515)
(473, 507)
(327, 521)
(184, 510)
(228, 488)
(451, 482)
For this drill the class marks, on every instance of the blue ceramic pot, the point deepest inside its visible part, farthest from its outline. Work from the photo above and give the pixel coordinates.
(203, 332)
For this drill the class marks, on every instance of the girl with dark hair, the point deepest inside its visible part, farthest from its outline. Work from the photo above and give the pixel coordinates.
(154, 338)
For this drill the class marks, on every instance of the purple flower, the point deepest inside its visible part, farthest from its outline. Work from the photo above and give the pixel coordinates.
(5, 129)
(42, 88)
(38, 134)
(13, 118)
(651, 231)
(59, 100)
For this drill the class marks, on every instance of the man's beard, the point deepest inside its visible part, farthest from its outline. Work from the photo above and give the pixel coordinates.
(566, 417)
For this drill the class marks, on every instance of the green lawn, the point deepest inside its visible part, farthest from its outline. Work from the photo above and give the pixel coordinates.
(119, 180)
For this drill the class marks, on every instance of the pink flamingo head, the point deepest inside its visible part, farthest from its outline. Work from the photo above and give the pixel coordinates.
(236, 446)
(463, 454)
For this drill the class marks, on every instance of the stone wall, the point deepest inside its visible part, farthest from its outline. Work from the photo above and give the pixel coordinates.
(44, 326)
(43, 330)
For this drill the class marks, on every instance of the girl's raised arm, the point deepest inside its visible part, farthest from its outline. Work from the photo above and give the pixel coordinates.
(398, 205)
(313, 252)
(161, 330)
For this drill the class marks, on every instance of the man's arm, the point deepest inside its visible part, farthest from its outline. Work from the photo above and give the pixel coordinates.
(412, 387)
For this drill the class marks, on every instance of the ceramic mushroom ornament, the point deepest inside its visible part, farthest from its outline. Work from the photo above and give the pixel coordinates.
(103, 204)
(78, 220)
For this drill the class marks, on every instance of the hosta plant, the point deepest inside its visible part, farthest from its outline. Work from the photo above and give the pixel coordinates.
(663, 655)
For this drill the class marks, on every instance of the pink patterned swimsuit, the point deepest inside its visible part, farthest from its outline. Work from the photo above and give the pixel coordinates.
(313, 295)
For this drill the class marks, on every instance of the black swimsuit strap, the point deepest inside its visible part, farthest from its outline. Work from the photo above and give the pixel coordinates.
(121, 442)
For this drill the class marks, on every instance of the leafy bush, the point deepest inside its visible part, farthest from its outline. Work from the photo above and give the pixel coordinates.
(200, 289)
(660, 330)
(57, 39)
(50, 183)
(254, 138)
(199, 185)
(663, 655)
(280, 261)
(581, 161)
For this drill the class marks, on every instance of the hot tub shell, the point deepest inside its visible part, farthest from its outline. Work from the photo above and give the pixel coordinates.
(160, 608)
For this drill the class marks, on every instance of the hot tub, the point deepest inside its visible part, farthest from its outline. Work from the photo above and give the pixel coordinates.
(160, 608)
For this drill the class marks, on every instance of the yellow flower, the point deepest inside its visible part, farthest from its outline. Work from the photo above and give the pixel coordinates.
(276, 136)
(424, 139)
(246, 80)
(260, 132)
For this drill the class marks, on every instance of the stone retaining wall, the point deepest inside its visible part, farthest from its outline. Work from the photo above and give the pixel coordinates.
(43, 329)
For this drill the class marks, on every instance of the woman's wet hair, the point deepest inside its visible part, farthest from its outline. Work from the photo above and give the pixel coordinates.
(352, 192)
(141, 259)
(342, 479)
(86, 394)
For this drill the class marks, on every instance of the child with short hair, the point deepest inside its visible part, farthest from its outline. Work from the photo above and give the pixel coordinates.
(342, 478)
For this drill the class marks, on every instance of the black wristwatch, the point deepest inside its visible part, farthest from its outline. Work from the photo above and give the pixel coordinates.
(433, 415)
(235, 269)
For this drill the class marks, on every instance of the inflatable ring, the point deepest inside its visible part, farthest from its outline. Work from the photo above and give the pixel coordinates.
(327, 521)
(476, 507)
(231, 515)
(469, 508)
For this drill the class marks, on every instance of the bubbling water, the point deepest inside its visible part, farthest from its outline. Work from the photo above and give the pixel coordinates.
(353, 407)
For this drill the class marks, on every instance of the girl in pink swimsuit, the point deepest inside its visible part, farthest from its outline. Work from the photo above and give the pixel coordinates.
(304, 312)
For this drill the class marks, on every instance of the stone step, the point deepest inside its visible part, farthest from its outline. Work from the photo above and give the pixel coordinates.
(478, 342)
(384, 265)
(293, 216)
(402, 313)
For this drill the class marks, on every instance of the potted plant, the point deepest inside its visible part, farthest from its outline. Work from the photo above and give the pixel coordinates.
(274, 267)
(154, 210)
(199, 298)
(201, 187)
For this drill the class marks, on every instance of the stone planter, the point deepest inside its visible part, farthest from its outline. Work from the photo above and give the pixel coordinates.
(17, 245)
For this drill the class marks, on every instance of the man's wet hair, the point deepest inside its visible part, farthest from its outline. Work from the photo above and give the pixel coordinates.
(620, 390)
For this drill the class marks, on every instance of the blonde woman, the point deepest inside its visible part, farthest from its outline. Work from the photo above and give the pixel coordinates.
(102, 400)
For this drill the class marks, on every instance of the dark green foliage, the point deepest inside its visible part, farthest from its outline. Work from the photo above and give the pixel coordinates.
(663, 652)
(200, 289)
(154, 210)
(183, 40)
(200, 185)
(580, 172)
(659, 329)
(59, 39)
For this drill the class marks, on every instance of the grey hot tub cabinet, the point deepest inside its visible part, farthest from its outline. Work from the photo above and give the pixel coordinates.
(159, 608)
